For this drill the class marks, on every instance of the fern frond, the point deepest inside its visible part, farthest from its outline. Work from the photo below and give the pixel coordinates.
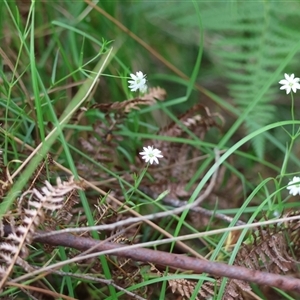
(269, 251)
(197, 120)
(246, 42)
(50, 198)
(256, 51)
(154, 94)
(183, 287)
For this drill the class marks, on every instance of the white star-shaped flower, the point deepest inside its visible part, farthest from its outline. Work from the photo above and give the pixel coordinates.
(144, 89)
(138, 82)
(151, 154)
(290, 83)
(294, 186)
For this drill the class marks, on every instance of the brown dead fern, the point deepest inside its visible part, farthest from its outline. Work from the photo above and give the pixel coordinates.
(183, 287)
(101, 144)
(33, 206)
(127, 106)
(274, 249)
(181, 159)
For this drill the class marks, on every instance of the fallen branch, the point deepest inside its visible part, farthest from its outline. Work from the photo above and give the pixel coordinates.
(175, 261)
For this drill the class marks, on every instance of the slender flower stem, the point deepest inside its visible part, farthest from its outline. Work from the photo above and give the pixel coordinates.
(293, 113)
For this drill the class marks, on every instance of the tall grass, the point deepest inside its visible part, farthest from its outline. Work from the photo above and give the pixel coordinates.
(58, 58)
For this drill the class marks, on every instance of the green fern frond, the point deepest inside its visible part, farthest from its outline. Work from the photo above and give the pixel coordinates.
(247, 41)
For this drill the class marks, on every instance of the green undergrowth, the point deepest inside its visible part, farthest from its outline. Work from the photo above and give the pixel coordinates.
(63, 65)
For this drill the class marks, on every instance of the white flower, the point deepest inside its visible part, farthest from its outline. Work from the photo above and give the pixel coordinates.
(290, 83)
(144, 89)
(294, 186)
(151, 154)
(138, 82)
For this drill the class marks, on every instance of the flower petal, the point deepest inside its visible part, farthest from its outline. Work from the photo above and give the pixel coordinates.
(138, 82)
(290, 83)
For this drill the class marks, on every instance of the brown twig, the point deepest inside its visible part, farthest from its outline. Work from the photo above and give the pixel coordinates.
(39, 290)
(201, 210)
(99, 280)
(176, 261)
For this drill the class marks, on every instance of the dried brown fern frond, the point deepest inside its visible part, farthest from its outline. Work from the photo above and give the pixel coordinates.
(207, 290)
(155, 93)
(268, 251)
(127, 106)
(102, 143)
(198, 120)
(183, 287)
(293, 236)
(273, 249)
(64, 215)
(101, 146)
(33, 206)
(181, 160)
(235, 289)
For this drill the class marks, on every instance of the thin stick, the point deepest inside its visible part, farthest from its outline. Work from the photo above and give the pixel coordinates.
(201, 210)
(99, 280)
(40, 290)
(168, 259)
